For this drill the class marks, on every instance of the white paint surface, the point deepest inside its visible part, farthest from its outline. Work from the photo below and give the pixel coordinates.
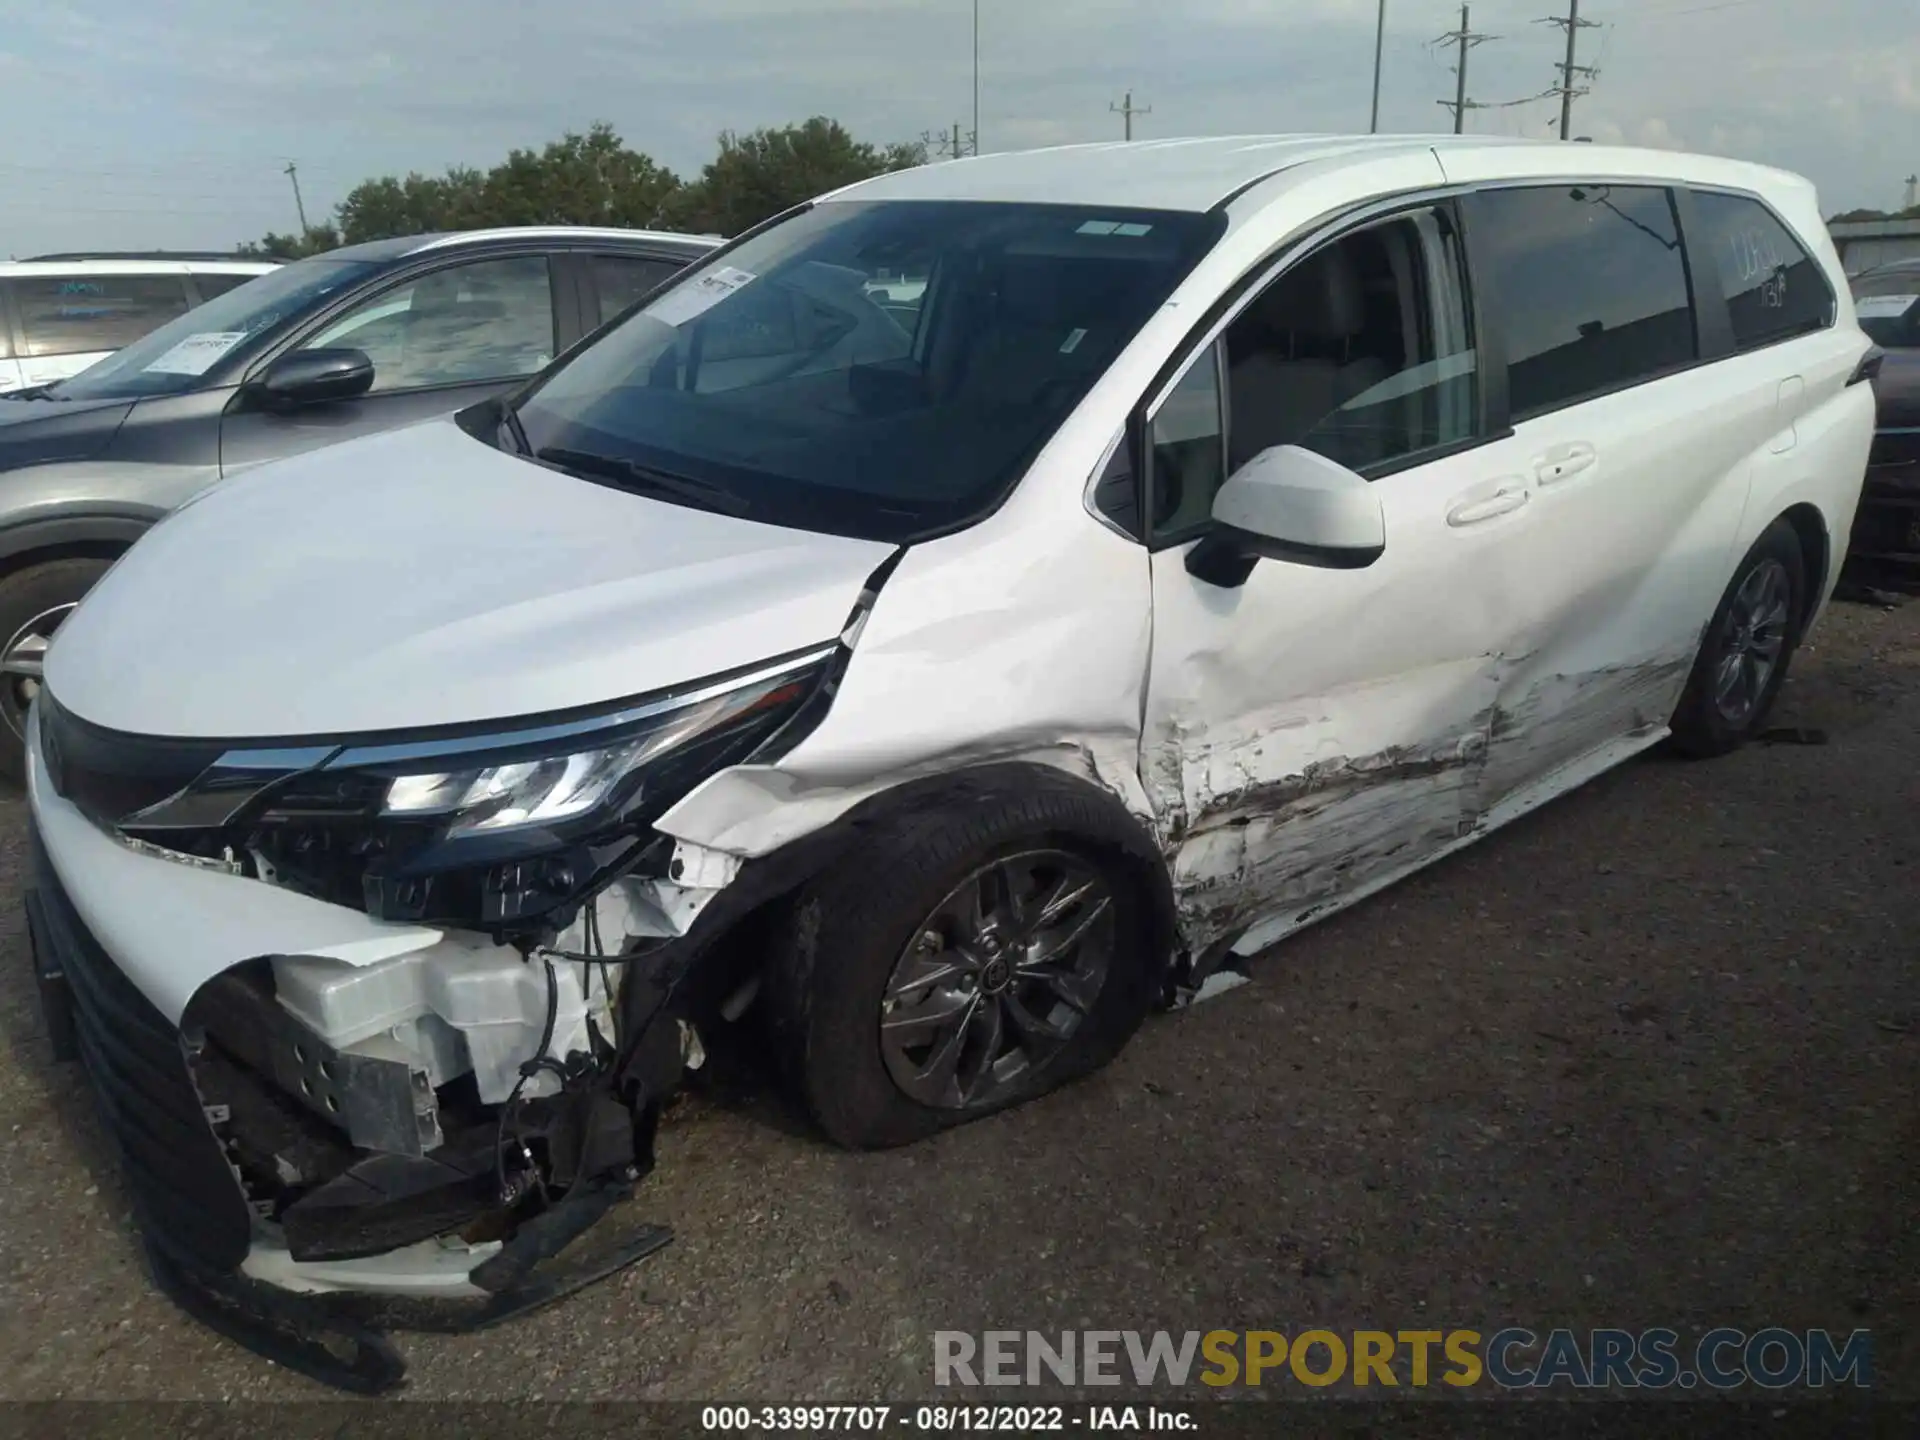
(1293, 744)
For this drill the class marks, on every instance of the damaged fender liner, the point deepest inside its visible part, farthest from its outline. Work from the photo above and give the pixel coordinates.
(196, 1227)
(772, 878)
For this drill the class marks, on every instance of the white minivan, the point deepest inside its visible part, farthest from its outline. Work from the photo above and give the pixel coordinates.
(1226, 529)
(61, 313)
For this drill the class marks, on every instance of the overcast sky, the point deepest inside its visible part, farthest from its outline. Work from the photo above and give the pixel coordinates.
(131, 123)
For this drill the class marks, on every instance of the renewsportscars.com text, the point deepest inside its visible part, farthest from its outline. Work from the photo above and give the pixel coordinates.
(1512, 1358)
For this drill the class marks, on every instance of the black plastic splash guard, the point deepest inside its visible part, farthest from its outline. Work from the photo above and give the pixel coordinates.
(340, 1339)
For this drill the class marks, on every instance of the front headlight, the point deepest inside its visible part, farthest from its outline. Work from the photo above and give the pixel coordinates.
(550, 789)
(496, 829)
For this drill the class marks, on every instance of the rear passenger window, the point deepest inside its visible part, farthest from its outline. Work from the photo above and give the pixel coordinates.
(1773, 287)
(217, 283)
(73, 315)
(623, 279)
(1593, 289)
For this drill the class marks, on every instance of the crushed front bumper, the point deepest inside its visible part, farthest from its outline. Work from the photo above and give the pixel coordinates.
(192, 1166)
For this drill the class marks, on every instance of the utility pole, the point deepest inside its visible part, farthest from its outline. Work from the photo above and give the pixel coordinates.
(1566, 89)
(292, 173)
(1128, 110)
(976, 77)
(1379, 45)
(1465, 39)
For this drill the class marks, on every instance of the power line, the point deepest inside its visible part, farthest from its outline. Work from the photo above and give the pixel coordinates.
(1466, 40)
(1128, 109)
(1567, 89)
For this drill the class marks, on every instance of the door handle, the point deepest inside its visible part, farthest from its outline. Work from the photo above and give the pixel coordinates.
(1509, 497)
(1563, 463)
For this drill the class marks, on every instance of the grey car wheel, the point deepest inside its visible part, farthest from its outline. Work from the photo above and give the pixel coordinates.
(998, 978)
(1752, 639)
(23, 663)
(35, 601)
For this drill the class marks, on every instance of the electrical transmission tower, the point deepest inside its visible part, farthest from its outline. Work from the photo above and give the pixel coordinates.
(1568, 88)
(951, 145)
(1464, 39)
(1127, 109)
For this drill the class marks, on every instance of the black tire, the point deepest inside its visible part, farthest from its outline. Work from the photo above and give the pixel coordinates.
(1703, 726)
(28, 599)
(850, 927)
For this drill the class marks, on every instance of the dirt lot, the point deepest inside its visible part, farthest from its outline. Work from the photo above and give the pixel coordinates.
(1649, 1057)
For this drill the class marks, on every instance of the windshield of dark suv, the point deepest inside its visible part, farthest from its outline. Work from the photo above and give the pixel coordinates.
(176, 357)
(1888, 306)
(883, 369)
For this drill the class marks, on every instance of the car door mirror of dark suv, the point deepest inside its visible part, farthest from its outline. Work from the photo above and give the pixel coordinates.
(1290, 504)
(314, 377)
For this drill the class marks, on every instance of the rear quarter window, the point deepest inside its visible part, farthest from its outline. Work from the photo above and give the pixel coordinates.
(1774, 290)
(78, 314)
(1593, 293)
(212, 283)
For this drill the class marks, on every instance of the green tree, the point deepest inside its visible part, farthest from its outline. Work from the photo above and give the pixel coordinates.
(756, 176)
(418, 205)
(597, 179)
(591, 179)
(272, 246)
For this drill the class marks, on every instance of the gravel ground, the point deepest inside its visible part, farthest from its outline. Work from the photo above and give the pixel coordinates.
(1648, 1057)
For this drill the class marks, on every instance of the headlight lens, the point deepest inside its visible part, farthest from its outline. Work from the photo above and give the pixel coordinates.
(550, 789)
(493, 829)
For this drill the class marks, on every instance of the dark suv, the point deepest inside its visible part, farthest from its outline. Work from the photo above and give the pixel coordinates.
(356, 340)
(1885, 551)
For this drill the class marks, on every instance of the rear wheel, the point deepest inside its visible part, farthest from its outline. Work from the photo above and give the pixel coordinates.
(1746, 649)
(33, 603)
(956, 965)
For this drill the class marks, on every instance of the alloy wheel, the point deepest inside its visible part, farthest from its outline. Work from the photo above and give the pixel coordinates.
(1752, 642)
(23, 664)
(997, 979)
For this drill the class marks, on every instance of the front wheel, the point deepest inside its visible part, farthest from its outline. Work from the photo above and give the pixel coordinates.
(1746, 648)
(33, 603)
(956, 965)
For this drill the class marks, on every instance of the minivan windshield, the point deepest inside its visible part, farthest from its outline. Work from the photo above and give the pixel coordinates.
(882, 369)
(175, 357)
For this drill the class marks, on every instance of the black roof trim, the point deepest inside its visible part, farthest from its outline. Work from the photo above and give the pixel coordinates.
(67, 257)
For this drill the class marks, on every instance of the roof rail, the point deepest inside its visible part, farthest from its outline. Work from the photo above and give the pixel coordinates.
(69, 256)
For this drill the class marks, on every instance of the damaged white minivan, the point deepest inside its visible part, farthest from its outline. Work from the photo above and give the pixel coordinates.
(1225, 529)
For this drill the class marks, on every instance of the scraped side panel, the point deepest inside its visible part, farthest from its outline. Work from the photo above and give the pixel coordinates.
(1285, 808)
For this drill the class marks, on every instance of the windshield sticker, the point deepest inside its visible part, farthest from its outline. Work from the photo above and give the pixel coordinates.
(698, 296)
(1073, 342)
(1884, 307)
(195, 354)
(1113, 227)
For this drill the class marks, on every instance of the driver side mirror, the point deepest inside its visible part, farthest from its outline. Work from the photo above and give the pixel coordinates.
(315, 377)
(1290, 504)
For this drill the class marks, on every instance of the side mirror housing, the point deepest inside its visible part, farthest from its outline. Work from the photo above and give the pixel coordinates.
(1293, 505)
(315, 377)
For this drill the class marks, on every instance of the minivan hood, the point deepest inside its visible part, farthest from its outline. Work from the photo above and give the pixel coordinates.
(422, 578)
(36, 432)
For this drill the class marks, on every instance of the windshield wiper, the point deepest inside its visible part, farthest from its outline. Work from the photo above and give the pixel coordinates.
(33, 392)
(631, 473)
